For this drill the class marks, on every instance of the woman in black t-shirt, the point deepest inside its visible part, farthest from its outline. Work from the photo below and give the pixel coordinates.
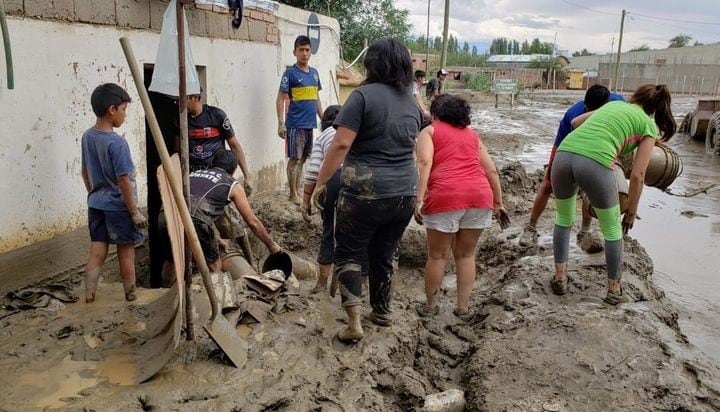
(375, 141)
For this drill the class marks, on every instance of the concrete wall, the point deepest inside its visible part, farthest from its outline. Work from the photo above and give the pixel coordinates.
(58, 62)
(695, 79)
(700, 55)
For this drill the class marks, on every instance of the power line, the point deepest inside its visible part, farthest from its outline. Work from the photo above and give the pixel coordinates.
(588, 8)
(686, 28)
(675, 20)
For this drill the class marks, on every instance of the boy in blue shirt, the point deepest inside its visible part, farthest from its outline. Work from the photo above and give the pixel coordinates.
(109, 176)
(300, 84)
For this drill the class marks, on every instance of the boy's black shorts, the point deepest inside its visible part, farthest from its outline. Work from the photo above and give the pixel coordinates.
(206, 235)
(113, 227)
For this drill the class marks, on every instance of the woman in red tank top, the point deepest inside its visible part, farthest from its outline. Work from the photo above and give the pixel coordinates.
(458, 193)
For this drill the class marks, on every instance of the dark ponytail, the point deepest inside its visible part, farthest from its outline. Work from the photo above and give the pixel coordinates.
(655, 99)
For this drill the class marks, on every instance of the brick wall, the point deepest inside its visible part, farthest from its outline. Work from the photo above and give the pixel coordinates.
(257, 25)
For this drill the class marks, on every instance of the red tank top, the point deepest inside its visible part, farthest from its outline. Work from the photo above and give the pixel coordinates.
(457, 179)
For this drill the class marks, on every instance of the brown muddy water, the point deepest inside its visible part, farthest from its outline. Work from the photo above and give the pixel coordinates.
(681, 234)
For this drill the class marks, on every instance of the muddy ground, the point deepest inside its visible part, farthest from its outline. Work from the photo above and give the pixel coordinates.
(524, 350)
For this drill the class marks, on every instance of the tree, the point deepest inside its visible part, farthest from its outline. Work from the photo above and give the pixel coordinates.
(360, 20)
(698, 43)
(681, 40)
(466, 48)
(525, 48)
(642, 47)
(515, 47)
(583, 52)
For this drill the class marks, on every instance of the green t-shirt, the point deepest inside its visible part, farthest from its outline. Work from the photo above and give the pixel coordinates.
(613, 130)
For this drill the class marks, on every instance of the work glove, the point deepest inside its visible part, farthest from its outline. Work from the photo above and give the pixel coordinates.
(502, 217)
(139, 220)
(418, 213)
(282, 131)
(318, 197)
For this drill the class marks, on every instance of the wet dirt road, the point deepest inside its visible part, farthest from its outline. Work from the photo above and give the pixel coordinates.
(681, 234)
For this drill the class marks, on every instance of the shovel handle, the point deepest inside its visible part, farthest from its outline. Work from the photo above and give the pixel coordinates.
(177, 192)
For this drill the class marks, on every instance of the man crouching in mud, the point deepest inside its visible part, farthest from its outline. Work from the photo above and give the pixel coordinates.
(595, 97)
(376, 132)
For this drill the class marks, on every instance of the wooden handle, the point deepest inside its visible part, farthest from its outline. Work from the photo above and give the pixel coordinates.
(177, 192)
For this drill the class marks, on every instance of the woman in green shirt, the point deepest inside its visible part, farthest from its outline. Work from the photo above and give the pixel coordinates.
(586, 158)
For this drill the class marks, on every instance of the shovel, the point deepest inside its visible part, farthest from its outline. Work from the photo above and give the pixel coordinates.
(219, 329)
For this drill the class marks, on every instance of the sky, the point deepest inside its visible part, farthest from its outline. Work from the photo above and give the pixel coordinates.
(578, 23)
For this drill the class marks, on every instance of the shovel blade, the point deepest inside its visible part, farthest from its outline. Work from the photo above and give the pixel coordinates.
(227, 338)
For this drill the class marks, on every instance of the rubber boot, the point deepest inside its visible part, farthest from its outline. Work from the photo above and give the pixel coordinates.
(92, 277)
(354, 332)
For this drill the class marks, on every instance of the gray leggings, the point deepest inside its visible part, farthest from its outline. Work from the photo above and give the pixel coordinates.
(569, 171)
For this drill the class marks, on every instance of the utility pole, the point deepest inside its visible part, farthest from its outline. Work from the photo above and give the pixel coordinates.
(427, 42)
(617, 61)
(446, 26)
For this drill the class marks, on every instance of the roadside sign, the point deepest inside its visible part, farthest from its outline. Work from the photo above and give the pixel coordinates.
(505, 86)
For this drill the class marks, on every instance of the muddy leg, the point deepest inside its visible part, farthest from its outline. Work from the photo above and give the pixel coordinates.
(292, 172)
(98, 253)
(464, 252)
(349, 278)
(300, 174)
(126, 257)
(438, 244)
(244, 243)
(321, 284)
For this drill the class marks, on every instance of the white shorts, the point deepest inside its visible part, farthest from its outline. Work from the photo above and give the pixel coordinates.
(454, 220)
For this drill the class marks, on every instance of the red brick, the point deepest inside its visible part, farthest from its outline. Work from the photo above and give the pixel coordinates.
(258, 32)
(272, 38)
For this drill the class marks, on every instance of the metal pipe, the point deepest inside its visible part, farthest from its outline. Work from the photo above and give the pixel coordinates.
(6, 46)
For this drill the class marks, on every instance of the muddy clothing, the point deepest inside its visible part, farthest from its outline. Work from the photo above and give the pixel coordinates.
(105, 156)
(457, 179)
(327, 241)
(210, 193)
(298, 143)
(574, 111)
(432, 87)
(569, 172)
(613, 130)
(380, 163)
(369, 230)
(303, 88)
(207, 133)
(114, 227)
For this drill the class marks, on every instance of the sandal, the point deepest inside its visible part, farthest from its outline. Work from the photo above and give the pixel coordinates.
(425, 312)
(378, 319)
(464, 315)
(615, 299)
(559, 287)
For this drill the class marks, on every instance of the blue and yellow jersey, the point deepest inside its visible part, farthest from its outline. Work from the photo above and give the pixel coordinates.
(303, 89)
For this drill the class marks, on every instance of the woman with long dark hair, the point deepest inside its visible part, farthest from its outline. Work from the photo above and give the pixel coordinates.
(586, 158)
(375, 141)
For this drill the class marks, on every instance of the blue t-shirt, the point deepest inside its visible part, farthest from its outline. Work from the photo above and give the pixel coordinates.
(303, 88)
(105, 156)
(574, 111)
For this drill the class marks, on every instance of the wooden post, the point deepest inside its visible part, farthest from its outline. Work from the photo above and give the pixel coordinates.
(617, 62)
(184, 158)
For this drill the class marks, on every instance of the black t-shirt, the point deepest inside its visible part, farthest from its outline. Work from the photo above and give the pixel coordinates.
(209, 193)
(432, 85)
(207, 134)
(380, 163)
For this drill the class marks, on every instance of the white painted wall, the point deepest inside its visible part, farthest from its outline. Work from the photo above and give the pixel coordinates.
(57, 65)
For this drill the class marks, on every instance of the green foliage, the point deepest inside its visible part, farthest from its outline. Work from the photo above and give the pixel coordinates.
(478, 82)
(547, 64)
(504, 45)
(681, 40)
(457, 55)
(360, 20)
(642, 47)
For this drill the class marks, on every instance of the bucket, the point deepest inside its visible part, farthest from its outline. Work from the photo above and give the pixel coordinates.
(289, 264)
(622, 188)
(664, 167)
(234, 263)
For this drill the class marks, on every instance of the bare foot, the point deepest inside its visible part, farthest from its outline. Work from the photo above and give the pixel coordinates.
(295, 199)
(91, 283)
(350, 335)
(130, 293)
(319, 287)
